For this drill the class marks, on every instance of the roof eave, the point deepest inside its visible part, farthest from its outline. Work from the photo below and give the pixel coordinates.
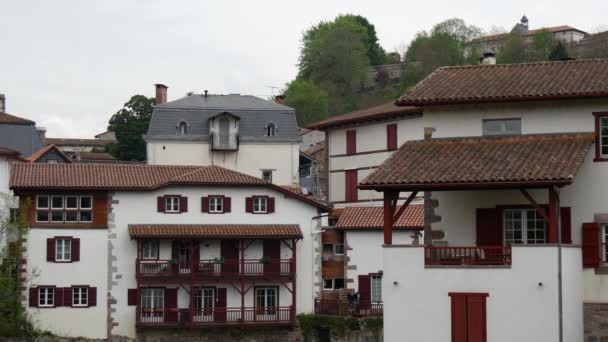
(467, 186)
(422, 103)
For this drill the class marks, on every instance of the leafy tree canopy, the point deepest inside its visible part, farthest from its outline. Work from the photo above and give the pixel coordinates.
(309, 101)
(130, 124)
(559, 52)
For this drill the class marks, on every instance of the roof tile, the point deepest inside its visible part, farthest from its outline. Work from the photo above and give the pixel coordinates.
(269, 231)
(365, 218)
(386, 110)
(6, 118)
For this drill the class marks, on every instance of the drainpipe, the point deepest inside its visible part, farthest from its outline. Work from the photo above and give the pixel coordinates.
(559, 266)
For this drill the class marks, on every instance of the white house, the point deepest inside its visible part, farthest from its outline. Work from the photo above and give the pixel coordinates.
(128, 250)
(511, 162)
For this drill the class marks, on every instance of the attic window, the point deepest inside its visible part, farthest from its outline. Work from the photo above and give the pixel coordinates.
(182, 128)
(271, 130)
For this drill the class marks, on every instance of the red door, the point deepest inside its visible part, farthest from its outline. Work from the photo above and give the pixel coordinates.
(469, 317)
(170, 305)
(230, 253)
(272, 256)
(220, 305)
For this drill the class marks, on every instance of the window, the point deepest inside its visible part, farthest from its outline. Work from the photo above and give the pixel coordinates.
(376, 284)
(350, 186)
(204, 300)
(501, 127)
(468, 316)
(52, 161)
(267, 176)
(604, 232)
(523, 226)
(216, 204)
(259, 204)
(338, 283)
(270, 130)
(391, 137)
(333, 284)
(339, 249)
(601, 136)
(182, 128)
(46, 296)
(149, 249)
(152, 302)
(14, 215)
(63, 250)
(64, 209)
(328, 284)
(351, 141)
(266, 300)
(80, 296)
(172, 204)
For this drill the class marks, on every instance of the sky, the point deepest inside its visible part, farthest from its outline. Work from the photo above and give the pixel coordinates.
(69, 65)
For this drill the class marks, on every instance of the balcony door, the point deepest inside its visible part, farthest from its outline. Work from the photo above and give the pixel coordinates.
(224, 129)
(152, 305)
(229, 250)
(180, 252)
(272, 256)
(220, 305)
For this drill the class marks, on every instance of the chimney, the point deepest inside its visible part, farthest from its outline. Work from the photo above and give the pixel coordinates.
(280, 99)
(2, 103)
(488, 58)
(428, 132)
(161, 94)
(41, 133)
(206, 91)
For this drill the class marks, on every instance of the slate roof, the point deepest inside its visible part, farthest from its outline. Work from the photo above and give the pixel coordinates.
(511, 82)
(372, 218)
(253, 231)
(454, 163)
(196, 109)
(6, 118)
(383, 111)
(76, 142)
(41, 152)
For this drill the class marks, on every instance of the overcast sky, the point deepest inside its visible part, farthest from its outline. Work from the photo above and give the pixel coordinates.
(69, 65)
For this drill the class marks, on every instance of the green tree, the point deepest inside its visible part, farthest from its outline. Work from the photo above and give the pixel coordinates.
(513, 51)
(542, 44)
(376, 54)
(309, 101)
(558, 52)
(130, 124)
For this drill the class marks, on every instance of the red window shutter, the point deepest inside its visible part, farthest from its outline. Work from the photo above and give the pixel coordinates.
(50, 249)
(171, 303)
(92, 296)
(67, 295)
(489, 227)
(365, 291)
(132, 297)
(33, 297)
(391, 137)
(205, 204)
(249, 204)
(476, 318)
(270, 205)
(351, 141)
(75, 249)
(227, 205)
(160, 204)
(566, 223)
(183, 204)
(350, 186)
(459, 317)
(591, 244)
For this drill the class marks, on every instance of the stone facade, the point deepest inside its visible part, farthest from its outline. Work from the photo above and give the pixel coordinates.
(595, 322)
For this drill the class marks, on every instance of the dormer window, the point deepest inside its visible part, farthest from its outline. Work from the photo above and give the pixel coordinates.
(182, 128)
(271, 130)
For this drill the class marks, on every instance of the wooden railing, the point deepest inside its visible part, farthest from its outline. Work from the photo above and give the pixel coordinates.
(344, 308)
(283, 267)
(214, 316)
(459, 256)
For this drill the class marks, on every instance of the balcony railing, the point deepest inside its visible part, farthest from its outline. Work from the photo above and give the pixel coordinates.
(225, 142)
(344, 308)
(215, 268)
(185, 317)
(461, 256)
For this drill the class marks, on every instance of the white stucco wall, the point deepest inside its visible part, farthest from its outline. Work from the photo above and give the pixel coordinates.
(518, 308)
(140, 208)
(92, 270)
(4, 191)
(251, 158)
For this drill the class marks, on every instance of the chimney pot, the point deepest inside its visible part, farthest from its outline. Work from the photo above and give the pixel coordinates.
(161, 94)
(206, 91)
(280, 99)
(428, 132)
(488, 58)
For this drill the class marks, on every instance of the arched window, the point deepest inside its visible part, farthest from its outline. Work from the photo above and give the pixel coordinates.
(182, 128)
(270, 130)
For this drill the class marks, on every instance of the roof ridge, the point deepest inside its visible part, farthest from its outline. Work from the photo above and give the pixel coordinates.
(538, 136)
(473, 66)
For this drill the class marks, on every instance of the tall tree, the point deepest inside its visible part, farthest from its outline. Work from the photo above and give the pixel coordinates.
(376, 54)
(559, 52)
(540, 48)
(513, 51)
(130, 124)
(309, 101)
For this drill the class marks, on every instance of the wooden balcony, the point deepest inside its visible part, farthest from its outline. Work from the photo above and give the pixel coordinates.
(215, 317)
(351, 309)
(215, 269)
(468, 256)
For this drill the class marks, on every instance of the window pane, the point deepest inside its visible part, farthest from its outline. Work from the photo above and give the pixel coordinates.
(57, 216)
(376, 289)
(57, 202)
(501, 126)
(86, 216)
(328, 284)
(86, 202)
(71, 216)
(42, 202)
(42, 216)
(338, 283)
(71, 202)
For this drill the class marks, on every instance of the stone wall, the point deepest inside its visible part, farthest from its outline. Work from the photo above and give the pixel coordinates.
(595, 321)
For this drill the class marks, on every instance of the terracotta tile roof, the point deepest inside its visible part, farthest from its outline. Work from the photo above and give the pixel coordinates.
(41, 152)
(76, 142)
(553, 29)
(371, 218)
(6, 118)
(108, 176)
(511, 82)
(490, 161)
(103, 156)
(387, 110)
(268, 231)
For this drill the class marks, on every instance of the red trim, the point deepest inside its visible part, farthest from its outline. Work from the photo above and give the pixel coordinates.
(260, 212)
(401, 112)
(360, 153)
(503, 99)
(71, 238)
(209, 197)
(598, 154)
(351, 142)
(54, 296)
(391, 137)
(179, 201)
(72, 296)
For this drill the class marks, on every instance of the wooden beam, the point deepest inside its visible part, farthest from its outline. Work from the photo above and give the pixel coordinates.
(404, 206)
(389, 211)
(541, 211)
(552, 230)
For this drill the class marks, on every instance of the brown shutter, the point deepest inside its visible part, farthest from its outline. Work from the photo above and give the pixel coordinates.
(132, 297)
(459, 317)
(171, 303)
(270, 205)
(183, 204)
(160, 204)
(391, 137)
(566, 223)
(350, 186)
(92, 296)
(50, 249)
(75, 249)
(489, 227)
(227, 205)
(249, 204)
(205, 204)
(591, 244)
(476, 317)
(365, 291)
(351, 141)
(63, 296)
(33, 297)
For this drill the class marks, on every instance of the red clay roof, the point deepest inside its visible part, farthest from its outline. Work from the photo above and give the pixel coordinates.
(513, 161)
(511, 82)
(553, 29)
(109, 176)
(251, 231)
(383, 111)
(103, 156)
(372, 218)
(76, 142)
(41, 152)
(6, 118)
